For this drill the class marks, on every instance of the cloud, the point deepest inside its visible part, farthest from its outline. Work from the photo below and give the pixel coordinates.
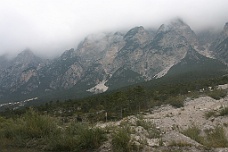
(49, 27)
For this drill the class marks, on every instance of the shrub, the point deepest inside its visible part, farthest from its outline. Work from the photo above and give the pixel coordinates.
(37, 126)
(217, 94)
(121, 140)
(209, 114)
(91, 138)
(31, 125)
(36, 130)
(213, 138)
(153, 131)
(216, 138)
(177, 101)
(62, 142)
(77, 137)
(179, 144)
(193, 94)
(30, 129)
(193, 132)
(224, 112)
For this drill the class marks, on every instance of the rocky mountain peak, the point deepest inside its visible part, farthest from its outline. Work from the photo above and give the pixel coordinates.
(175, 33)
(183, 29)
(178, 22)
(178, 26)
(220, 46)
(163, 28)
(26, 58)
(137, 34)
(173, 25)
(134, 31)
(226, 26)
(223, 35)
(68, 54)
(225, 29)
(26, 53)
(3, 61)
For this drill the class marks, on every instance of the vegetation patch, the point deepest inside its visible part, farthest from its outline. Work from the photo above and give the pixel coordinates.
(216, 138)
(179, 144)
(224, 112)
(213, 138)
(193, 132)
(217, 93)
(177, 101)
(209, 114)
(121, 140)
(42, 132)
(151, 128)
(212, 113)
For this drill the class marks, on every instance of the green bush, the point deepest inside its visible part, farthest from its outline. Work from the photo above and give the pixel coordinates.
(153, 131)
(213, 138)
(91, 138)
(217, 94)
(179, 144)
(77, 137)
(31, 129)
(37, 126)
(224, 112)
(209, 114)
(216, 138)
(193, 132)
(35, 130)
(177, 101)
(30, 125)
(62, 142)
(121, 140)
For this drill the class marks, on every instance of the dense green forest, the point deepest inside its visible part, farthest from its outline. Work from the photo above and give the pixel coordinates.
(129, 100)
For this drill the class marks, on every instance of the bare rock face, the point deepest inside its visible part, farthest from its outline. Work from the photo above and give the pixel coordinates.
(220, 45)
(224, 33)
(63, 72)
(108, 60)
(72, 76)
(149, 57)
(22, 71)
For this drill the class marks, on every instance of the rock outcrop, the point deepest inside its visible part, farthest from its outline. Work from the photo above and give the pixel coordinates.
(111, 59)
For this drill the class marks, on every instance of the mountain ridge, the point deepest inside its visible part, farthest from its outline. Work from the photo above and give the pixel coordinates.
(135, 56)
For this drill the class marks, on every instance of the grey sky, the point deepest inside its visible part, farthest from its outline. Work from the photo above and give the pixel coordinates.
(48, 27)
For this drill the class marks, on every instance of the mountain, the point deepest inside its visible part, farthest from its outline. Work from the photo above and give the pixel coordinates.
(20, 74)
(3, 62)
(196, 66)
(109, 61)
(222, 50)
(152, 56)
(219, 46)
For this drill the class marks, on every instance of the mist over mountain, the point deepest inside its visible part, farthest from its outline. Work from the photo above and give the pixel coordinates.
(107, 61)
(49, 27)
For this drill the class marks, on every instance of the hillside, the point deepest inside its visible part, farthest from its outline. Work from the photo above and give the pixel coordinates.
(196, 121)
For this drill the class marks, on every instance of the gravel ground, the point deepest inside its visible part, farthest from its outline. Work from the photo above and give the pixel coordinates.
(172, 121)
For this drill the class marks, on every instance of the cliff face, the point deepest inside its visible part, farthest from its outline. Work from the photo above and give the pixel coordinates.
(110, 60)
(220, 45)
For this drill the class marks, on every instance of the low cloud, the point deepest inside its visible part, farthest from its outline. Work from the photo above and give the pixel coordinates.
(49, 27)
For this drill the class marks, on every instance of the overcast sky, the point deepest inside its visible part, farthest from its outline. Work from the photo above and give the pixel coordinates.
(48, 27)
